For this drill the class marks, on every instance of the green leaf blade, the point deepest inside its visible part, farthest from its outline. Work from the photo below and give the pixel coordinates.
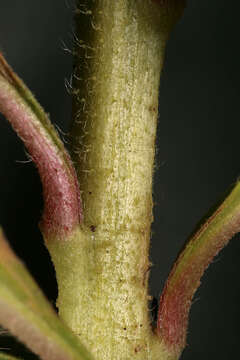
(8, 357)
(26, 313)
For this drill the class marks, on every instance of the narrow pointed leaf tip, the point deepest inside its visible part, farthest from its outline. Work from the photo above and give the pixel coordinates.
(184, 279)
(27, 314)
(62, 205)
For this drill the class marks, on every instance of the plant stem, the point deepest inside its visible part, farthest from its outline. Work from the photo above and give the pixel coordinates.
(102, 269)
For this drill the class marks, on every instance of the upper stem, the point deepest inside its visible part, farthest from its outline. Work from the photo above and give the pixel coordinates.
(103, 271)
(115, 112)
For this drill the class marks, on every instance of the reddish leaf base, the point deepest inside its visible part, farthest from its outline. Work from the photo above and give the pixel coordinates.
(62, 205)
(184, 279)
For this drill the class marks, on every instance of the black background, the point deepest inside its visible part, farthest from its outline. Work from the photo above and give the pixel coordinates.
(197, 157)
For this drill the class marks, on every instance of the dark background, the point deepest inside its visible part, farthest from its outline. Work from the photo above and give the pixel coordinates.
(197, 159)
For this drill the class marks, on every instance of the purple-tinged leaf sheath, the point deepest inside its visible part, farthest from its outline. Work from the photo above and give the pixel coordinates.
(62, 205)
(184, 279)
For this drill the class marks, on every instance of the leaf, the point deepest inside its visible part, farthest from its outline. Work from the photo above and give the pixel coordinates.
(184, 278)
(62, 209)
(26, 313)
(8, 357)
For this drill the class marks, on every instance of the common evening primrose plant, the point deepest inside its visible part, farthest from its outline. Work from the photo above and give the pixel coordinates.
(98, 199)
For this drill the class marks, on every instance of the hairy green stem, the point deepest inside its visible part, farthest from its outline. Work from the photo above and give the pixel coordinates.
(103, 268)
(100, 252)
